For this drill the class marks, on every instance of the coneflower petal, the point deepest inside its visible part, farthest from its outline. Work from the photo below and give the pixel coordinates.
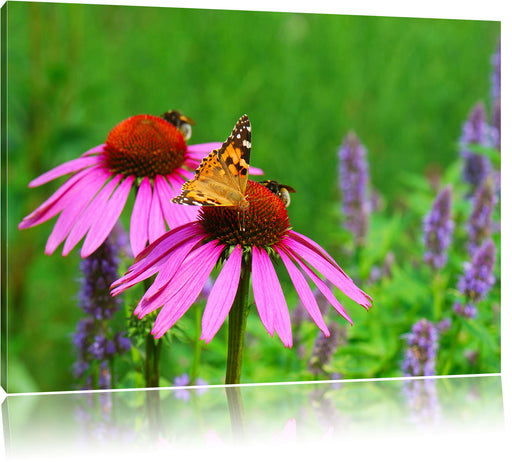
(169, 267)
(322, 287)
(63, 169)
(175, 214)
(331, 271)
(187, 286)
(95, 150)
(198, 151)
(100, 229)
(269, 298)
(304, 291)
(92, 213)
(171, 247)
(182, 279)
(258, 271)
(222, 295)
(140, 216)
(156, 225)
(81, 194)
(53, 205)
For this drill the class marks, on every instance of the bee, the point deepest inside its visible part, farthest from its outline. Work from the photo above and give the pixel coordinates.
(180, 121)
(280, 190)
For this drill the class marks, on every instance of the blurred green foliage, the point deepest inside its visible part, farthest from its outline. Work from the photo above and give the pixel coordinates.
(404, 85)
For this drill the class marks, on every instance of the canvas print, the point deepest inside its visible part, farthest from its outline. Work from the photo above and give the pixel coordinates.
(208, 197)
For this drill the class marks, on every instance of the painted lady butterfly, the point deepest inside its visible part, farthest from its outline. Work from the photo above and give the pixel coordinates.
(221, 179)
(280, 190)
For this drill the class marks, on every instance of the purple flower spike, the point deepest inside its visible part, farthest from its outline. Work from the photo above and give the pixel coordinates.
(480, 222)
(324, 349)
(477, 280)
(438, 229)
(353, 184)
(93, 338)
(420, 356)
(476, 131)
(467, 310)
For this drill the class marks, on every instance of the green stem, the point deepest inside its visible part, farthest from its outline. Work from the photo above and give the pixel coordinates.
(357, 255)
(197, 347)
(152, 366)
(237, 324)
(112, 373)
(448, 362)
(438, 295)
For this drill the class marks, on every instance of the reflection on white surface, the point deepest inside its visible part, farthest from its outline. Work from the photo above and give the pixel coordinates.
(169, 421)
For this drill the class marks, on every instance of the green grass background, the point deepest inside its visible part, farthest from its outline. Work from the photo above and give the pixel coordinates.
(74, 71)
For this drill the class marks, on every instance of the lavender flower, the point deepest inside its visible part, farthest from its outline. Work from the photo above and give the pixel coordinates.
(93, 339)
(99, 270)
(324, 348)
(467, 310)
(444, 325)
(480, 222)
(420, 356)
(353, 184)
(477, 280)
(438, 229)
(377, 273)
(476, 131)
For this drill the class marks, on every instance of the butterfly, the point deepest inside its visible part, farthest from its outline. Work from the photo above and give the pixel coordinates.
(180, 121)
(280, 190)
(221, 178)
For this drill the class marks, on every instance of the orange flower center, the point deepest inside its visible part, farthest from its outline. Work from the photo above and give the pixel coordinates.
(263, 223)
(144, 146)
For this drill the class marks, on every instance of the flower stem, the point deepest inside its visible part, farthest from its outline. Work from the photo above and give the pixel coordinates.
(112, 373)
(457, 328)
(153, 348)
(197, 348)
(237, 324)
(438, 288)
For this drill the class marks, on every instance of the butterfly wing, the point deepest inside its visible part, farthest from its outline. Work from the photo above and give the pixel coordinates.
(221, 179)
(235, 154)
(208, 186)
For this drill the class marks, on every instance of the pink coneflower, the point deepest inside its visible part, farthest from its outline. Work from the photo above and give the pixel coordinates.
(143, 151)
(185, 256)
